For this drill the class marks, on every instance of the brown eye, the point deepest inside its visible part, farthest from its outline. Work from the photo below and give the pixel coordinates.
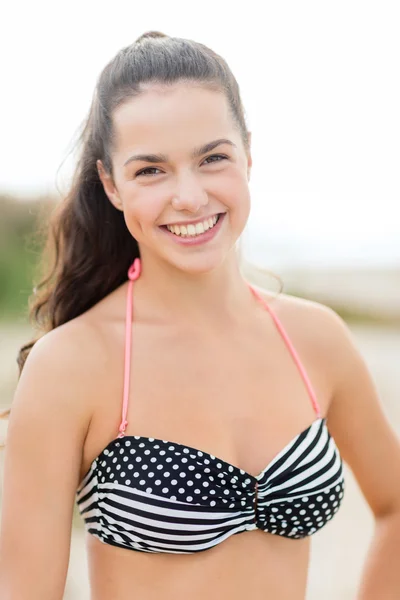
(144, 171)
(215, 156)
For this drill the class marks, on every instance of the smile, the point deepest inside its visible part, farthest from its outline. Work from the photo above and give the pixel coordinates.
(192, 230)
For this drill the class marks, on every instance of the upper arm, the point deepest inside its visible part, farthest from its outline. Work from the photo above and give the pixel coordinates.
(46, 432)
(358, 422)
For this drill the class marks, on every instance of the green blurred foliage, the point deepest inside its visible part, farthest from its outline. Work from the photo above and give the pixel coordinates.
(22, 236)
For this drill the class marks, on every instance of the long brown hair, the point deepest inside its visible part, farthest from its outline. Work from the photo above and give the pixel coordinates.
(89, 248)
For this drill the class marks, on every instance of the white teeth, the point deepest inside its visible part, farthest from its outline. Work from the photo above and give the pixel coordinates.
(193, 230)
(199, 228)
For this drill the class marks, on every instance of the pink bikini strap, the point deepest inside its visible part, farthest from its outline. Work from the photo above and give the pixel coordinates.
(133, 274)
(293, 352)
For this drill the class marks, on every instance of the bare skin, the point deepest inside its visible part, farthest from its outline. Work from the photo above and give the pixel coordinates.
(67, 407)
(209, 369)
(250, 403)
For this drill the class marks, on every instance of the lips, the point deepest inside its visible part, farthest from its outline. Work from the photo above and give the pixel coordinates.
(192, 222)
(196, 238)
(192, 230)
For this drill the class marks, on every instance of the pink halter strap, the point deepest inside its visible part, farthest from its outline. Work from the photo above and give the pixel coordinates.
(292, 351)
(133, 274)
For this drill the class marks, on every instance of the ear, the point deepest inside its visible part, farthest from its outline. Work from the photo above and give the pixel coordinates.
(109, 187)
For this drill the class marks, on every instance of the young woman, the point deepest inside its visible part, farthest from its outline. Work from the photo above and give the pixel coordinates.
(200, 424)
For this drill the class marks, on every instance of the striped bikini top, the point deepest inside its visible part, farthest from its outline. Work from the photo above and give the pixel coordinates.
(154, 495)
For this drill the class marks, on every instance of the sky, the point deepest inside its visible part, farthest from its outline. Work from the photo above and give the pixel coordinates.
(321, 89)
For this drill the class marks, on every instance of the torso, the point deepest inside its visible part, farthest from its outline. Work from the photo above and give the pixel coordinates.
(235, 394)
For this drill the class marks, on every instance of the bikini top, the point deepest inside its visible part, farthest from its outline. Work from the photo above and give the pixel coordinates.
(153, 495)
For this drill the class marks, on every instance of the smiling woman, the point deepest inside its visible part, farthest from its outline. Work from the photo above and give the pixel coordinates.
(188, 183)
(207, 476)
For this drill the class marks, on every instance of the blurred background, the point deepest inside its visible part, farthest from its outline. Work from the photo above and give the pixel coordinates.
(321, 90)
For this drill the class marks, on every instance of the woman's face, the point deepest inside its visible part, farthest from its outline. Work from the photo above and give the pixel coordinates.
(186, 183)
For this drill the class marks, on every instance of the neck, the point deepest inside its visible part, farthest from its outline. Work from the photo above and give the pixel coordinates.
(217, 298)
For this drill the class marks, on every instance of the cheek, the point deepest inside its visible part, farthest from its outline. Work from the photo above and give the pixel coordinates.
(241, 211)
(244, 206)
(232, 187)
(141, 214)
(237, 197)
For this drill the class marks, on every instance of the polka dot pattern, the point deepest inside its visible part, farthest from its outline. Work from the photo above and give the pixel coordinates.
(187, 474)
(291, 498)
(304, 515)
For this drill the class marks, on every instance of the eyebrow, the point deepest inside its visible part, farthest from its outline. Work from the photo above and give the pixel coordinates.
(157, 158)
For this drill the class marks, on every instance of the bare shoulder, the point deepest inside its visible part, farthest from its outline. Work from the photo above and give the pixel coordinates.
(313, 322)
(59, 374)
(319, 335)
(70, 348)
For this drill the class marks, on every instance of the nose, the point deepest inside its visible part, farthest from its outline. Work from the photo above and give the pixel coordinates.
(189, 194)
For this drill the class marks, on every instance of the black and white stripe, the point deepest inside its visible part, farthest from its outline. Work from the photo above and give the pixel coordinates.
(154, 495)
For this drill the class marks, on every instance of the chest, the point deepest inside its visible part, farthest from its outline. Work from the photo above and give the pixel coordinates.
(226, 380)
(237, 395)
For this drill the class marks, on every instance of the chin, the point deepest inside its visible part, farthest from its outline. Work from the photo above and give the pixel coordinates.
(202, 263)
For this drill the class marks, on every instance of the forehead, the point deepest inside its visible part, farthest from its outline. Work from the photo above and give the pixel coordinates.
(161, 119)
